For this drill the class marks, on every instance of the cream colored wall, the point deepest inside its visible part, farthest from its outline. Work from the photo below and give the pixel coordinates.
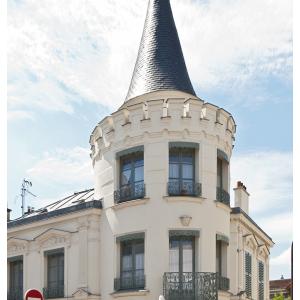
(159, 213)
(77, 233)
(244, 237)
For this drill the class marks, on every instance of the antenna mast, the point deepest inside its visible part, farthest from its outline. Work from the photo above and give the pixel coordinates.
(25, 189)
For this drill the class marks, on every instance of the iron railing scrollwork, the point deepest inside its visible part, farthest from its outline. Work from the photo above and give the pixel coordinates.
(131, 281)
(223, 196)
(184, 188)
(15, 294)
(190, 286)
(130, 192)
(53, 292)
(223, 283)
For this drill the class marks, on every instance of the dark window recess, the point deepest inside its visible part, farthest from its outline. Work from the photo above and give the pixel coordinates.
(131, 178)
(55, 276)
(221, 193)
(248, 274)
(182, 173)
(261, 287)
(131, 266)
(15, 291)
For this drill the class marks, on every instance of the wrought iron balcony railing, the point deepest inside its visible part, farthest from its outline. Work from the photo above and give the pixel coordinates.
(223, 196)
(184, 188)
(130, 281)
(53, 292)
(223, 283)
(15, 294)
(130, 192)
(190, 286)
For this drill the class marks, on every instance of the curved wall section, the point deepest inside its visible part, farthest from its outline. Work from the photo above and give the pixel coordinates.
(156, 122)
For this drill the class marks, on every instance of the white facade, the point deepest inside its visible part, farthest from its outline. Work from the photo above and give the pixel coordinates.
(178, 236)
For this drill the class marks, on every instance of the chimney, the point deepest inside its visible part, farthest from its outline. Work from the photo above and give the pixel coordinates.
(8, 214)
(241, 197)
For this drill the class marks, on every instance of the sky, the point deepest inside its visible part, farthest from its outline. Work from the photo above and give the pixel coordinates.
(70, 63)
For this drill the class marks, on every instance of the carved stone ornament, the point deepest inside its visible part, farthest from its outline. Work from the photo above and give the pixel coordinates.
(185, 220)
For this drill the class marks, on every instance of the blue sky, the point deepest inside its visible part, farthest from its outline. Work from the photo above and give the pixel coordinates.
(70, 64)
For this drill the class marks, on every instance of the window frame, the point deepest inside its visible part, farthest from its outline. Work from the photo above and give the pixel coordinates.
(59, 283)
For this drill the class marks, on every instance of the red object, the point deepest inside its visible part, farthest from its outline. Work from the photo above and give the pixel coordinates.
(34, 294)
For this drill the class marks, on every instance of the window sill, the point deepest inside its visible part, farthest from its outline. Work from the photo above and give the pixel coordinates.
(130, 203)
(223, 206)
(130, 293)
(191, 199)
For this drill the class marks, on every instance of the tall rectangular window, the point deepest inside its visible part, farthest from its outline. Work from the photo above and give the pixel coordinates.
(182, 172)
(219, 257)
(219, 173)
(248, 274)
(131, 265)
(15, 279)
(222, 194)
(55, 274)
(261, 277)
(131, 177)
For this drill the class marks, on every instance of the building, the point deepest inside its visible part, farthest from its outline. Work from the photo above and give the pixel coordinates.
(159, 220)
(281, 286)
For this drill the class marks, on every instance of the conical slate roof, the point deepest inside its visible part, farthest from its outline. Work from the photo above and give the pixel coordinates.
(160, 63)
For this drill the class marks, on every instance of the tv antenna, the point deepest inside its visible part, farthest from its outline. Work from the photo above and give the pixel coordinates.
(25, 190)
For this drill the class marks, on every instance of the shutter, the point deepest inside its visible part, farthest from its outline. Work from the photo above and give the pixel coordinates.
(261, 271)
(248, 274)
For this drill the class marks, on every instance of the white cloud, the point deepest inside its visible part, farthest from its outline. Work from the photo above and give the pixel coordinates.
(268, 178)
(63, 166)
(278, 226)
(283, 259)
(62, 51)
(15, 115)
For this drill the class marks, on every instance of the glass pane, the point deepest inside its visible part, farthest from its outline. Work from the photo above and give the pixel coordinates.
(139, 261)
(174, 156)
(139, 174)
(218, 257)
(219, 173)
(187, 171)
(138, 161)
(125, 177)
(173, 171)
(174, 256)
(187, 256)
(126, 257)
(188, 156)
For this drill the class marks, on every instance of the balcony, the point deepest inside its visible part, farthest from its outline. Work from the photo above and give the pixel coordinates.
(190, 286)
(15, 294)
(223, 196)
(184, 188)
(223, 283)
(131, 281)
(54, 292)
(130, 192)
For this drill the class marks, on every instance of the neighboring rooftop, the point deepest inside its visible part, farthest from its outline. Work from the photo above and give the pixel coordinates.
(160, 63)
(77, 201)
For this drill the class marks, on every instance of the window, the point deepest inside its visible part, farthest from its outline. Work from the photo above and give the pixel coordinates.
(55, 274)
(221, 262)
(248, 274)
(15, 278)
(261, 289)
(222, 194)
(182, 172)
(131, 265)
(131, 177)
(219, 257)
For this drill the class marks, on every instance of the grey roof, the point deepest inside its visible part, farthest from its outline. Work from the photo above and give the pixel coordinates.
(160, 63)
(77, 201)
